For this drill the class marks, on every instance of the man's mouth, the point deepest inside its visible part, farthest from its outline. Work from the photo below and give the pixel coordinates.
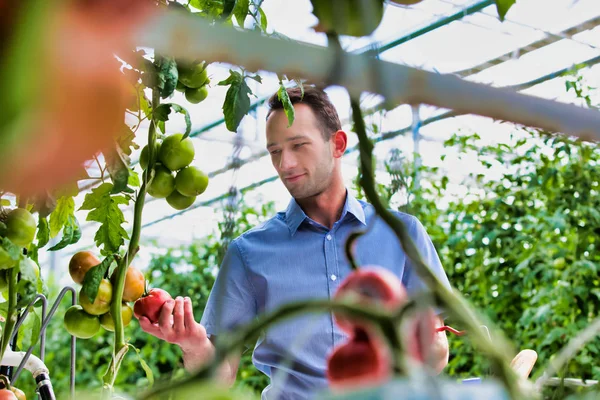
(293, 178)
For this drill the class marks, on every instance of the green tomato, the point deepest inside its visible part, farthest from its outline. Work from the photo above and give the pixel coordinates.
(101, 304)
(191, 181)
(179, 201)
(20, 227)
(163, 183)
(176, 153)
(195, 96)
(348, 17)
(81, 324)
(144, 155)
(193, 76)
(107, 322)
(180, 87)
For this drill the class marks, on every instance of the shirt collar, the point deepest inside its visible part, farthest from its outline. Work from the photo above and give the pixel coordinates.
(294, 215)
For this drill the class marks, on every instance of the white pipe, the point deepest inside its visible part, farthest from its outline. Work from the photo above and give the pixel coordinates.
(33, 364)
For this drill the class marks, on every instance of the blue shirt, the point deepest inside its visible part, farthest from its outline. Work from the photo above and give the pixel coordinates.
(290, 258)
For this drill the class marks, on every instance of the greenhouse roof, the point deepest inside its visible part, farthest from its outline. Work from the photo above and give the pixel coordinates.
(537, 41)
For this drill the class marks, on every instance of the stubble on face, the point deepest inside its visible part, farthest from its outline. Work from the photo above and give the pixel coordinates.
(316, 165)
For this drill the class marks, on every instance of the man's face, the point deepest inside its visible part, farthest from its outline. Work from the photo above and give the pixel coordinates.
(300, 154)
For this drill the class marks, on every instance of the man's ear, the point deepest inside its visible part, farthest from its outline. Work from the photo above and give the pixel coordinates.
(340, 142)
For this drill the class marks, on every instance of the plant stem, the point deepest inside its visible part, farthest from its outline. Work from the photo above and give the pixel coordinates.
(234, 341)
(498, 352)
(11, 314)
(120, 346)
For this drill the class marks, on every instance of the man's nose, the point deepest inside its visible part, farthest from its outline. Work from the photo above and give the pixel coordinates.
(288, 161)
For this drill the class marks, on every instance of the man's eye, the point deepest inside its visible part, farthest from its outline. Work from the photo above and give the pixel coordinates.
(298, 145)
(274, 152)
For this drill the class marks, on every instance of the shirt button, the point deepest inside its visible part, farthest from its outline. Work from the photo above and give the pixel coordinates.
(333, 277)
(329, 238)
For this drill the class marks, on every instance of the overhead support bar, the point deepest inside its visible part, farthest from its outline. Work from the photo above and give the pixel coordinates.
(360, 73)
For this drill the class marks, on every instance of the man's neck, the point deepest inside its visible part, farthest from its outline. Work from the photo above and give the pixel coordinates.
(326, 207)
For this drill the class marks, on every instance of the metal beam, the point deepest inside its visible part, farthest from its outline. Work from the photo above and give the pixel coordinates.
(549, 39)
(472, 9)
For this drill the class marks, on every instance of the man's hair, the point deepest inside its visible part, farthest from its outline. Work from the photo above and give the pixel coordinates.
(320, 104)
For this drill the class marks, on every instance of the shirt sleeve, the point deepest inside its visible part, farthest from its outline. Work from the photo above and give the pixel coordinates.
(429, 255)
(231, 301)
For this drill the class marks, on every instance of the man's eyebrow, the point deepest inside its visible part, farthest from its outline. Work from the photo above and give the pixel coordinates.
(296, 137)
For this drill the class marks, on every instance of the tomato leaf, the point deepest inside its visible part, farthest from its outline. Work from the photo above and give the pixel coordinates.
(288, 107)
(92, 279)
(10, 253)
(105, 209)
(167, 75)
(240, 12)
(32, 252)
(27, 270)
(28, 279)
(263, 19)
(134, 179)
(43, 233)
(212, 8)
(503, 6)
(237, 100)
(59, 217)
(71, 234)
(145, 367)
(164, 110)
(228, 7)
(117, 165)
(125, 140)
(30, 329)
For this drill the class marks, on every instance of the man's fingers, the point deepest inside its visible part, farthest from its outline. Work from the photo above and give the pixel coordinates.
(188, 313)
(149, 327)
(178, 323)
(165, 317)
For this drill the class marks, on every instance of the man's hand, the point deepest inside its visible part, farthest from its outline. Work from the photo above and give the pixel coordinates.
(176, 325)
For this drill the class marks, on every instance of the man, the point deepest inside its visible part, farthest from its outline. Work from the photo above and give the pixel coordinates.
(296, 255)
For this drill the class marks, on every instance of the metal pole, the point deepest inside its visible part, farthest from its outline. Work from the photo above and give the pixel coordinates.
(416, 125)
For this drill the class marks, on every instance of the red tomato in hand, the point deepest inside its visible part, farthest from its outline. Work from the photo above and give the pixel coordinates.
(149, 306)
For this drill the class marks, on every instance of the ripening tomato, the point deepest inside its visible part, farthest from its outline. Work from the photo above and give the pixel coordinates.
(80, 264)
(101, 304)
(135, 284)
(149, 306)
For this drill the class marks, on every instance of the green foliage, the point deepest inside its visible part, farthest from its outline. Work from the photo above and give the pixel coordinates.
(188, 270)
(523, 248)
(503, 6)
(237, 99)
(105, 209)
